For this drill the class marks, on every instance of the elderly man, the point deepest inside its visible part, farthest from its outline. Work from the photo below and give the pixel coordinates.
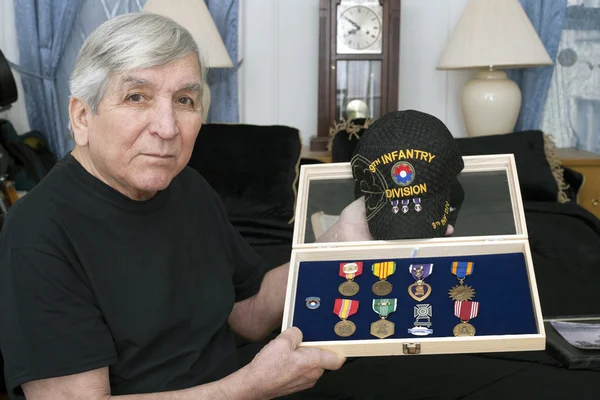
(120, 275)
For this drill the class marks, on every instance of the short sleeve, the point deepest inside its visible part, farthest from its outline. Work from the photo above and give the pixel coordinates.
(249, 268)
(51, 325)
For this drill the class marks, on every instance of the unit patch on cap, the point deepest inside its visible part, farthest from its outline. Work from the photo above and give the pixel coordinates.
(403, 173)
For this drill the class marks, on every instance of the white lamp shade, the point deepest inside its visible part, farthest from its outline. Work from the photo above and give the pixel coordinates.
(494, 33)
(195, 17)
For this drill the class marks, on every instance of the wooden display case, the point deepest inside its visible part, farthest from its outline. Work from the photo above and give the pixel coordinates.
(490, 231)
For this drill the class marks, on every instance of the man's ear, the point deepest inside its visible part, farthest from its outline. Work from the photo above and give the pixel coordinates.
(79, 112)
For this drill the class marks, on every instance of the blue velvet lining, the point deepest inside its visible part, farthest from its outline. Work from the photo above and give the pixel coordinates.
(500, 281)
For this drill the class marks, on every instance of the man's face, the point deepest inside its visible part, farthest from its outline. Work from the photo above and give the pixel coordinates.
(144, 132)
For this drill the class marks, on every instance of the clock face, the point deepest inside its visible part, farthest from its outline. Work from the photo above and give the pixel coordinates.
(359, 29)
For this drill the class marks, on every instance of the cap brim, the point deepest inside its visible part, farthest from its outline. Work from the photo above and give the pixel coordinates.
(432, 221)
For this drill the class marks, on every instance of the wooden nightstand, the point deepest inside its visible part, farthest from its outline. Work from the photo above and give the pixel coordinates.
(587, 164)
(323, 156)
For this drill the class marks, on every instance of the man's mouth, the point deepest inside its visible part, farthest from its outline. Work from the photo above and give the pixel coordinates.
(156, 155)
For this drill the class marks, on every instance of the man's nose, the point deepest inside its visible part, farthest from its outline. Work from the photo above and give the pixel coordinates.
(164, 120)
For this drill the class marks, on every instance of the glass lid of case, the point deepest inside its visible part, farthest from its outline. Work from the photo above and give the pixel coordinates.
(485, 206)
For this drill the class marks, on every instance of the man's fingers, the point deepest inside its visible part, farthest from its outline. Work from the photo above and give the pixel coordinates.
(330, 360)
(323, 358)
(450, 230)
(293, 335)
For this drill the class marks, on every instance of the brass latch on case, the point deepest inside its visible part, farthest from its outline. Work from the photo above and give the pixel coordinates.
(411, 348)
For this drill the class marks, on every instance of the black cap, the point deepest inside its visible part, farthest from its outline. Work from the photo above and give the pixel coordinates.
(406, 165)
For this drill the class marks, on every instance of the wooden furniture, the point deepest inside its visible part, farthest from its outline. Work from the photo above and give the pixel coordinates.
(359, 46)
(323, 156)
(587, 164)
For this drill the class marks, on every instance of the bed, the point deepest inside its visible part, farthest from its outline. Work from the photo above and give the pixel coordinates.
(259, 194)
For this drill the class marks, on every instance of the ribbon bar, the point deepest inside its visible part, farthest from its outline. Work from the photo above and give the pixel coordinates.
(384, 269)
(351, 270)
(344, 308)
(462, 269)
(384, 307)
(420, 271)
(466, 310)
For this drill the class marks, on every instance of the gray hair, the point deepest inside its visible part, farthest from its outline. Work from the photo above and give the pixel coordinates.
(124, 43)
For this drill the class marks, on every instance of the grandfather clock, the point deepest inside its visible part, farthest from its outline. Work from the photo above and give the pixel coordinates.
(359, 46)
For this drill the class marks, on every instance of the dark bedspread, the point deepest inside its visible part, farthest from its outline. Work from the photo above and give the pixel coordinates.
(565, 245)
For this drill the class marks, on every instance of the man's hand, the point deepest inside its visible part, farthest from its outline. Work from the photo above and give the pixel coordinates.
(282, 367)
(352, 225)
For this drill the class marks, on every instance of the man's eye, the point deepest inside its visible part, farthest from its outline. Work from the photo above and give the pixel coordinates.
(186, 101)
(135, 98)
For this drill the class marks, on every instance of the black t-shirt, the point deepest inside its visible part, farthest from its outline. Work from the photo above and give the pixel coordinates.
(90, 278)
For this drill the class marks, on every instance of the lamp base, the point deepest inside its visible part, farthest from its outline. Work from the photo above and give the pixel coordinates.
(490, 104)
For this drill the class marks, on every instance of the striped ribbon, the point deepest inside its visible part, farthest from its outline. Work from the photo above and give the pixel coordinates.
(384, 269)
(466, 310)
(344, 308)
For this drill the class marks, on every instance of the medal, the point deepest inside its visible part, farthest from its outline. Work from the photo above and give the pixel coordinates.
(350, 271)
(395, 206)
(313, 302)
(382, 270)
(344, 308)
(383, 328)
(462, 292)
(422, 323)
(465, 311)
(405, 206)
(420, 290)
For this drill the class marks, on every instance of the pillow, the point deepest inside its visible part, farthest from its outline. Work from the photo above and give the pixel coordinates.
(540, 179)
(253, 168)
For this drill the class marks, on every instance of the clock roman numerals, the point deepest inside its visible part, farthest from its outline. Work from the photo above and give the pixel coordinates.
(359, 27)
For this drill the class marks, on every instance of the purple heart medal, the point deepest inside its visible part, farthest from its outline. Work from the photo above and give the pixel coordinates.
(420, 290)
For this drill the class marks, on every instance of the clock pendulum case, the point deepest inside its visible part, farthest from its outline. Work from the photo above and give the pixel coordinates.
(359, 45)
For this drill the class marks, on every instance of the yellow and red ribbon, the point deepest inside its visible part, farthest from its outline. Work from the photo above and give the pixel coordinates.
(344, 308)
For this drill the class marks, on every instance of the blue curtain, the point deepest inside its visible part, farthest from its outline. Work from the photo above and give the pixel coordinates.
(92, 13)
(223, 82)
(573, 110)
(547, 17)
(43, 29)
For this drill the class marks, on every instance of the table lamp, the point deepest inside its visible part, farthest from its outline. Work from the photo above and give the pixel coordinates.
(491, 35)
(194, 16)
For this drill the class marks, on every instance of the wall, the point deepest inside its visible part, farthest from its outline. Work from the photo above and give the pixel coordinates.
(279, 75)
(8, 44)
